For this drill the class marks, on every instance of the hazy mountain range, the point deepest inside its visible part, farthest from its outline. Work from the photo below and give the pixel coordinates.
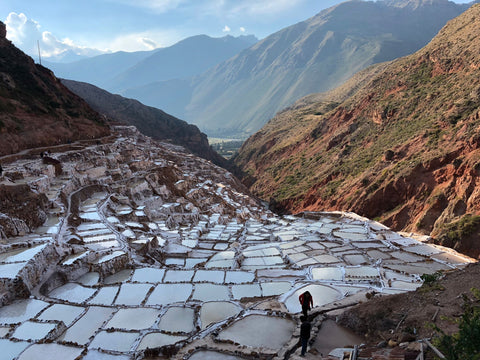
(236, 97)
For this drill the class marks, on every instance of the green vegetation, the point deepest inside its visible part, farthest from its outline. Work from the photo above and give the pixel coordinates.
(464, 345)
(453, 233)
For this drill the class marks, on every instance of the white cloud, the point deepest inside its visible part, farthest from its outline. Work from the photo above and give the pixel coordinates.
(242, 29)
(149, 43)
(26, 34)
(226, 29)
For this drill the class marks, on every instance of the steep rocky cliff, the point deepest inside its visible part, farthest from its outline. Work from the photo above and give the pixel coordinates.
(404, 148)
(35, 108)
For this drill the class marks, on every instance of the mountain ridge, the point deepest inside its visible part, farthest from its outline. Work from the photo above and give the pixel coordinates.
(402, 147)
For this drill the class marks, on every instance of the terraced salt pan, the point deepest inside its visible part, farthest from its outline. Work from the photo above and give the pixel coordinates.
(149, 275)
(51, 351)
(321, 294)
(418, 268)
(99, 238)
(109, 257)
(239, 277)
(81, 331)
(165, 294)
(33, 330)
(10, 271)
(259, 331)
(105, 296)
(90, 216)
(211, 292)
(134, 319)
(179, 276)
(21, 255)
(61, 312)
(115, 341)
(118, 277)
(132, 294)
(275, 288)
(72, 292)
(89, 279)
(11, 349)
(97, 355)
(212, 355)
(21, 310)
(91, 226)
(103, 245)
(214, 276)
(246, 290)
(72, 258)
(154, 340)
(328, 273)
(216, 311)
(178, 319)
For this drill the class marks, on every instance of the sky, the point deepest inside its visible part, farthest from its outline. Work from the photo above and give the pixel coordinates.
(92, 27)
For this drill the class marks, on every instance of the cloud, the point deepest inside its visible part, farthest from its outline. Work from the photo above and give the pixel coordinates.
(26, 34)
(226, 29)
(149, 43)
(242, 29)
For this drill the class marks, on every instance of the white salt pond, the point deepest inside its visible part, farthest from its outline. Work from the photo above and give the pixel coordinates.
(118, 277)
(321, 294)
(115, 341)
(72, 292)
(212, 355)
(260, 331)
(216, 311)
(165, 294)
(132, 294)
(32, 330)
(89, 279)
(97, 355)
(332, 336)
(154, 340)
(81, 331)
(135, 319)
(105, 295)
(50, 351)
(21, 255)
(211, 292)
(150, 275)
(178, 319)
(21, 310)
(61, 312)
(11, 349)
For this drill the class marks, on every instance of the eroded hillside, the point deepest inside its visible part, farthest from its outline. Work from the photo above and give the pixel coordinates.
(404, 148)
(35, 108)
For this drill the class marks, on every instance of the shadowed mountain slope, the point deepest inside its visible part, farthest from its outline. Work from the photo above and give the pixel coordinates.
(238, 96)
(35, 108)
(399, 142)
(148, 120)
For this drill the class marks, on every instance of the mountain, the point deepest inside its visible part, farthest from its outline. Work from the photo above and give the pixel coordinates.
(35, 108)
(122, 70)
(98, 70)
(148, 120)
(186, 58)
(399, 142)
(238, 96)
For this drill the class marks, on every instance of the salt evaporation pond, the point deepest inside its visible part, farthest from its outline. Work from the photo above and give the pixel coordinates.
(149, 275)
(132, 294)
(21, 255)
(89, 279)
(212, 355)
(275, 288)
(321, 295)
(135, 319)
(215, 311)
(332, 336)
(51, 351)
(115, 341)
(61, 312)
(178, 319)
(21, 310)
(154, 340)
(87, 326)
(211, 292)
(32, 330)
(118, 277)
(97, 355)
(260, 331)
(11, 349)
(105, 295)
(165, 294)
(72, 292)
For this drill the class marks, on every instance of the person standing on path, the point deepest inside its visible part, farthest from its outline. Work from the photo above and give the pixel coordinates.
(306, 300)
(305, 329)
